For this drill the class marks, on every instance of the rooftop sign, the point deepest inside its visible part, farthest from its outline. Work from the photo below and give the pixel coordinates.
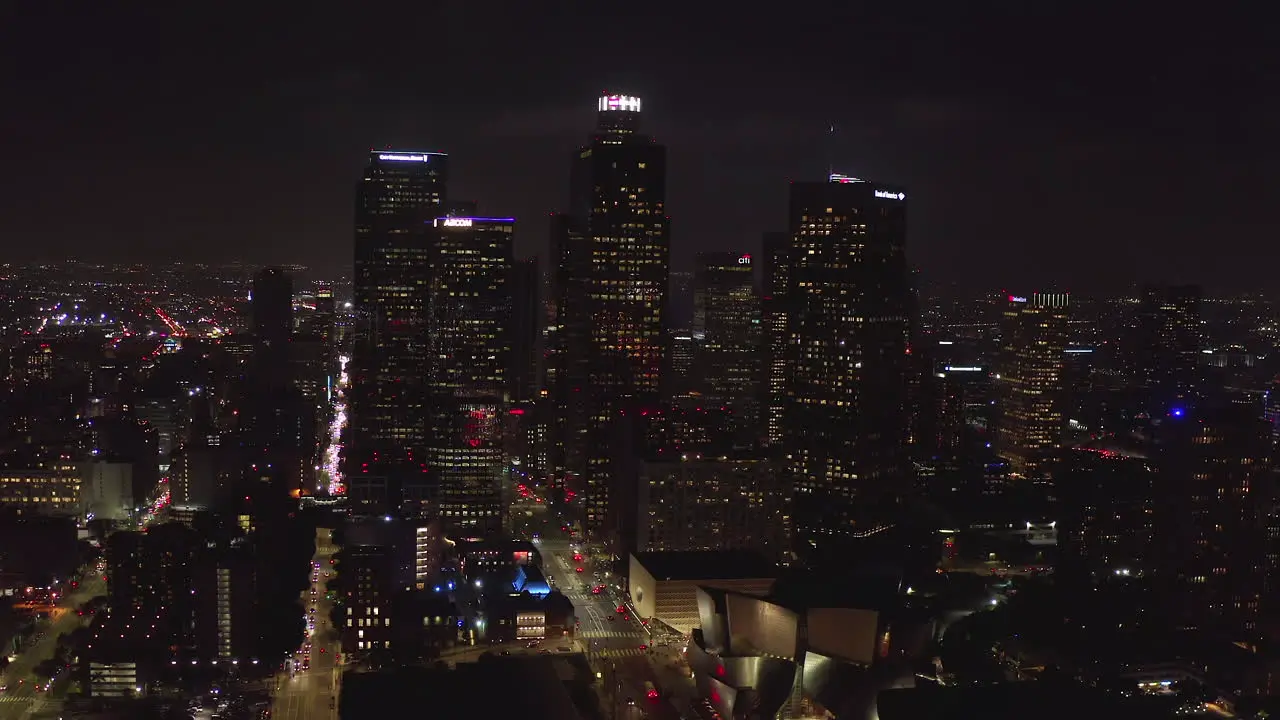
(625, 103)
(468, 221)
(888, 195)
(406, 157)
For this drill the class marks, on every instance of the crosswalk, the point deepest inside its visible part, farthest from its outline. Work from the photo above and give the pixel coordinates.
(610, 634)
(619, 652)
(16, 699)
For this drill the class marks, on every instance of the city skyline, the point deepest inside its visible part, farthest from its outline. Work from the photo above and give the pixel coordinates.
(1056, 168)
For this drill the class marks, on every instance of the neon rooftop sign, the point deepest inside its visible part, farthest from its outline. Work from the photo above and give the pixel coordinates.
(468, 221)
(406, 157)
(624, 103)
(888, 195)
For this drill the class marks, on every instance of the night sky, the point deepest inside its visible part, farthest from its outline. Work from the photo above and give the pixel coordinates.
(1040, 142)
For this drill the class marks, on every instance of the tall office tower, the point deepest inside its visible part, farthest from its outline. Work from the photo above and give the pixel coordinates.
(272, 306)
(397, 198)
(325, 316)
(569, 340)
(1167, 345)
(773, 285)
(1215, 494)
(469, 310)
(1029, 392)
(618, 192)
(726, 313)
(526, 319)
(681, 387)
(844, 436)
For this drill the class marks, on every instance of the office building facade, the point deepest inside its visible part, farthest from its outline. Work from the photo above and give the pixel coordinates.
(469, 333)
(612, 287)
(726, 314)
(844, 430)
(400, 194)
(1029, 387)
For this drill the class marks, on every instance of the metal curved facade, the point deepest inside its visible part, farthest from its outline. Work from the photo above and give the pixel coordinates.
(751, 661)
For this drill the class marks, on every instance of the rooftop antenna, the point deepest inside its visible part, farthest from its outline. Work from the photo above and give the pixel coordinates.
(831, 133)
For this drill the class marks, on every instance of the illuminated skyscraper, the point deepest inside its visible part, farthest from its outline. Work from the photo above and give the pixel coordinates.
(1029, 391)
(399, 195)
(844, 431)
(777, 270)
(469, 333)
(726, 314)
(613, 256)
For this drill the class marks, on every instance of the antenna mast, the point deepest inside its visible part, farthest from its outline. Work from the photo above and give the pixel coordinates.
(831, 133)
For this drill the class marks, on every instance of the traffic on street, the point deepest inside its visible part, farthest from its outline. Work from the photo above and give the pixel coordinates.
(22, 692)
(308, 685)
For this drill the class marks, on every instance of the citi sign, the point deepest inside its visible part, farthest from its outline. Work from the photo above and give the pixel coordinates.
(891, 195)
(744, 260)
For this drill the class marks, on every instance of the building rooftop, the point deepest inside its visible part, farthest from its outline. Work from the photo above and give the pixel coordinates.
(1048, 700)
(540, 687)
(706, 565)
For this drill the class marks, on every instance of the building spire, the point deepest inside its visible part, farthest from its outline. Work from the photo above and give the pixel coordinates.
(830, 149)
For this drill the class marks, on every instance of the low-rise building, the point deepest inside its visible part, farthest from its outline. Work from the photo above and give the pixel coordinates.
(41, 487)
(663, 586)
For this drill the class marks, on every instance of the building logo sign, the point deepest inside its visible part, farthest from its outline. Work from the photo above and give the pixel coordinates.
(397, 157)
(744, 260)
(625, 103)
(891, 195)
(1017, 299)
(457, 222)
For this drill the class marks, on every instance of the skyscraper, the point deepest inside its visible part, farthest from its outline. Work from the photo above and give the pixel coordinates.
(527, 319)
(400, 193)
(844, 435)
(1215, 502)
(569, 341)
(1029, 392)
(272, 306)
(469, 310)
(614, 250)
(727, 316)
(1166, 347)
(773, 303)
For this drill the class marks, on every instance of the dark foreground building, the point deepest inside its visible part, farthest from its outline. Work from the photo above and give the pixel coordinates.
(531, 688)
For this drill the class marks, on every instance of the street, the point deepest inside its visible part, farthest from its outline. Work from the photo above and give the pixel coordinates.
(616, 644)
(20, 698)
(312, 693)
